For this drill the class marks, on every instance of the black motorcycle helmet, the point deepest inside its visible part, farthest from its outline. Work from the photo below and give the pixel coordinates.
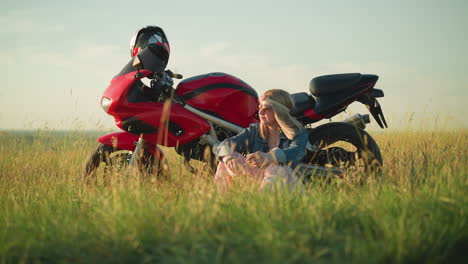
(150, 36)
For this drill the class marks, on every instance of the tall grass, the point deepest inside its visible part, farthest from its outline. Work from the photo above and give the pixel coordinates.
(416, 211)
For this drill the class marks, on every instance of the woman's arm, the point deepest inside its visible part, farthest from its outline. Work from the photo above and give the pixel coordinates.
(237, 143)
(295, 152)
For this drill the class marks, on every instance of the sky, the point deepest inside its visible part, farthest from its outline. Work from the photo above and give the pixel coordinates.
(61, 55)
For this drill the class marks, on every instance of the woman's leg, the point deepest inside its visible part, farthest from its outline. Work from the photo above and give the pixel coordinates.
(252, 172)
(278, 177)
(224, 177)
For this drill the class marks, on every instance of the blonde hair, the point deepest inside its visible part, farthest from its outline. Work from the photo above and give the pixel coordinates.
(282, 104)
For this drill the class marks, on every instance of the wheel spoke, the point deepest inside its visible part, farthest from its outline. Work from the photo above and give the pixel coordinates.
(107, 162)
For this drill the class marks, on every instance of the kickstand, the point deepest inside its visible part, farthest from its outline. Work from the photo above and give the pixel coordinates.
(189, 167)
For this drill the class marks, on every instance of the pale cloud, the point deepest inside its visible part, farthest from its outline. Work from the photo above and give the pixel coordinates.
(89, 54)
(91, 50)
(259, 70)
(214, 49)
(20, 22)
(48, 80)
(86, 54)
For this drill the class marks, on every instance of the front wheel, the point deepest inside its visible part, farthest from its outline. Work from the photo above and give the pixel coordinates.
(344, 146)
(105, 161)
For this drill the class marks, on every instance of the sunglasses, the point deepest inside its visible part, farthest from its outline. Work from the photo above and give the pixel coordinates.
(263, 108)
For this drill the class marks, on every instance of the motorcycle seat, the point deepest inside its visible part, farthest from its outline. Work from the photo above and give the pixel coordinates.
(301, 102)
(330, 84)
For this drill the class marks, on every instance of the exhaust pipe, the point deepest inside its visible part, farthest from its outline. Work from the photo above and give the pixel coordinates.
(358, 120)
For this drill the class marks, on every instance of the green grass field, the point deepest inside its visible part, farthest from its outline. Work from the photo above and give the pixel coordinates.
(415, 212)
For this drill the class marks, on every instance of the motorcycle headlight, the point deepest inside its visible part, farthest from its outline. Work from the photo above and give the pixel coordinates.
(105, 103)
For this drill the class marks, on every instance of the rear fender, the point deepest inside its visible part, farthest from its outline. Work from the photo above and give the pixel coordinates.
(369, 99)
(333, 129)
(336, 131)
(127, 141)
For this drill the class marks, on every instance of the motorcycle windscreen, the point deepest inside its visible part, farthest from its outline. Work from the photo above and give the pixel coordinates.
(151, 58)
(148, 61)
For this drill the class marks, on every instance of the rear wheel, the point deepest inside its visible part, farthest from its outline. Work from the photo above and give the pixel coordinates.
(106, 161)
(343, 146)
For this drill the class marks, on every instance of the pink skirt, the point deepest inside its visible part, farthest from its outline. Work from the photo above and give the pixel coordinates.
(271, 177)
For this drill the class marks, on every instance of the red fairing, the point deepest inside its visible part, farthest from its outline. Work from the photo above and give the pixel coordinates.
(171, 127)
(310, 113)
(229, 97)
(117, 90)
(151, 114)
(124, 140)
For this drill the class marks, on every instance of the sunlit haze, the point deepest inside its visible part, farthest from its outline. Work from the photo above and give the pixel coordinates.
(61, 55)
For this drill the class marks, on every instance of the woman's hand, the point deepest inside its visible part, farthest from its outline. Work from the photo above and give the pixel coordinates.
(231, 164)
(259, 159)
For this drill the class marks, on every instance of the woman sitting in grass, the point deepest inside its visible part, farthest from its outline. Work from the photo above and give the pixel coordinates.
(272, 147)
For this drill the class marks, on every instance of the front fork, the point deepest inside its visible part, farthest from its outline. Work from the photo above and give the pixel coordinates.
(137, 145)
(138, 152)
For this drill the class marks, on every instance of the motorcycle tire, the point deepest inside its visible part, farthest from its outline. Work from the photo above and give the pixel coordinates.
(366, 152)
(115, 160)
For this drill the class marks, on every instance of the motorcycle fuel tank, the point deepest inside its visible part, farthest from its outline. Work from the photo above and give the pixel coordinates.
(221, 95)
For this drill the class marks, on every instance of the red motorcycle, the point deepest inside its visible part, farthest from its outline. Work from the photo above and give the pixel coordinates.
(204, 110)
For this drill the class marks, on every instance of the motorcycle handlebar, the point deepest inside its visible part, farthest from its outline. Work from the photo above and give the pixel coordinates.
(163, 83)
(177, 76)
(174, 75)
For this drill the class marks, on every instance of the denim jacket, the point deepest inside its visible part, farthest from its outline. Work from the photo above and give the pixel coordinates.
(289, 152)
